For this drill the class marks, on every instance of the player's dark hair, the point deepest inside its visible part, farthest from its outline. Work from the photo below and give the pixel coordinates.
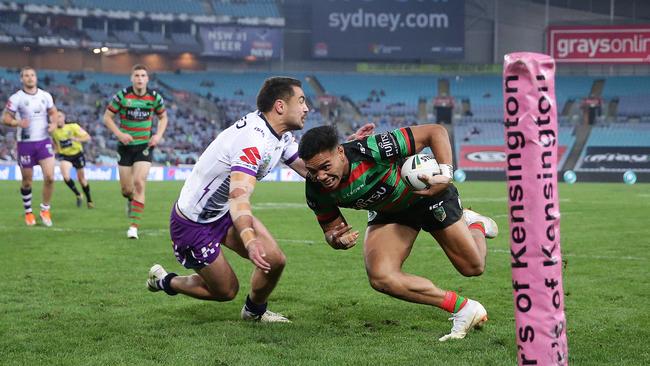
(275, 88)
(137, 67)
(317, 140)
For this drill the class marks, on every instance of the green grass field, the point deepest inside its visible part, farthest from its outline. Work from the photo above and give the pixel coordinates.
(74, 294)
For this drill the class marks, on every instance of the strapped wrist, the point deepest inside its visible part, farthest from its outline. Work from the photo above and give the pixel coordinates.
(447, 170)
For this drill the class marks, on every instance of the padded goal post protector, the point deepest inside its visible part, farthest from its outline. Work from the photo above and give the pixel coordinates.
(531, 143)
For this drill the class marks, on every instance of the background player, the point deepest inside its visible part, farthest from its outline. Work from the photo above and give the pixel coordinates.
(67, 138)
(366, 175)
(33, 112)
(136, 106)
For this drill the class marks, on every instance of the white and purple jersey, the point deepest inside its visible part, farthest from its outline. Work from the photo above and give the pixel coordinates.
(249, 146)
(33, 107)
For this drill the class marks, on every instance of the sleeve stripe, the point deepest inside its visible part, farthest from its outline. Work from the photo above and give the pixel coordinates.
(291, 159)
(237, 168)
(410, 141)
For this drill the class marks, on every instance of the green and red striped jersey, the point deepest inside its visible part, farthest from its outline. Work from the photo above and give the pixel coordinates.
(136, 112)
(374, 182)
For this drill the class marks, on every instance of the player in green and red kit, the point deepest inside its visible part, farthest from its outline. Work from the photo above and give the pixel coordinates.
(136, 107)
(365, 175)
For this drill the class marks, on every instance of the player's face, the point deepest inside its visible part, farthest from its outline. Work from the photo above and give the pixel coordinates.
(328, 167)
(296, 109)
(28, 78)
(139, 78)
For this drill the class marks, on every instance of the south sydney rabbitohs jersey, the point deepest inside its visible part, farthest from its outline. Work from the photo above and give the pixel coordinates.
(33, 107)
(250, 146)
(374, 182)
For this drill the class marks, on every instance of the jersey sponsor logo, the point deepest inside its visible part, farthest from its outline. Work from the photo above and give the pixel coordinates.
(380, 192)
(137, 114)
(387, 145)
(251, 155)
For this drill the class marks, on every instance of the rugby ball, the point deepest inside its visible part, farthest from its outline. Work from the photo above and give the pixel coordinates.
(418, 164)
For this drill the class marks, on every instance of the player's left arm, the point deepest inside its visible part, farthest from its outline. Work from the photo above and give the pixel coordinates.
(81, 135)
(52, 113)
(161, 112)
(437, 138)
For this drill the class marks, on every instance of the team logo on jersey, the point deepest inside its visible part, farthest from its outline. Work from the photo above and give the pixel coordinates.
(371, 215)
(438, 211)
(251, 155)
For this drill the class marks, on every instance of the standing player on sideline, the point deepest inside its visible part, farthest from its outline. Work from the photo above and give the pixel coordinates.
(366, 175)
(29, 109)
(67, 140)
(136, 106)
(214, 205)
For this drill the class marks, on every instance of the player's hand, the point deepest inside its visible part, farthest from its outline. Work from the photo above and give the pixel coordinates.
(24, 123)
(51, 127)
(436, 184)
(365, 130)
(256, 254)
(124, 138)
(154, 140)
(342, 237)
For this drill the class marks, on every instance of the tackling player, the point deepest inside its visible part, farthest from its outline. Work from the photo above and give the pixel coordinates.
(365, 175)
(67, 139)
(214, 207)
(29, 110)
(136, 106)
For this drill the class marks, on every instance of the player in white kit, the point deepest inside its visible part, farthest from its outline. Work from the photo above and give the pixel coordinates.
(32, 111)
(214, 205)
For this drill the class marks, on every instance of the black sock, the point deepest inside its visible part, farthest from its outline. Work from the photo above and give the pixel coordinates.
(166, 284)
(86, 189)
(257, 309)
(70, 184)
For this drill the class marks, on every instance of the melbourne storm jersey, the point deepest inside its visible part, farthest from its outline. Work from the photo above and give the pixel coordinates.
(250, 146)
(374, 182)
(33, 107)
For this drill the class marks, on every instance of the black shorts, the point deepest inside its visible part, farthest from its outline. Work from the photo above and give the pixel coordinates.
(428, 214)
(129, 154)
(78, 161)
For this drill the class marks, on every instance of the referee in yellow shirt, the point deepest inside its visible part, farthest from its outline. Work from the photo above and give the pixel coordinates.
(67, 141)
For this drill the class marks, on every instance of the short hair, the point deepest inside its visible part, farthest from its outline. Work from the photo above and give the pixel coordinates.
(317, 140)
(275, 88)
(25, 68)
(137, 67)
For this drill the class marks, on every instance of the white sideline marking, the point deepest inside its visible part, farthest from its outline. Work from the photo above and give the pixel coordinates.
(495, 199)
(165, 232)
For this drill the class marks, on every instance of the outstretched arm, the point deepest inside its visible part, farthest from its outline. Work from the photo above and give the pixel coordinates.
(242, 186)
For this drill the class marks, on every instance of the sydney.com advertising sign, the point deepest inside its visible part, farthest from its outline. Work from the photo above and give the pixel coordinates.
(388, 29)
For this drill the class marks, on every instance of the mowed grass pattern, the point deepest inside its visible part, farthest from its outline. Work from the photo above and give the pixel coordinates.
(74, 294)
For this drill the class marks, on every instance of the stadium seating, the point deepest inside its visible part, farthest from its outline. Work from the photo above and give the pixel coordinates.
(158, 6)
(246, 8)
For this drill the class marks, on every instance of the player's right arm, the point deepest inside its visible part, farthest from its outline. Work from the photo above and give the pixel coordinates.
(9, 115)
(338, 234)
(112, 109)
(242, 186)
